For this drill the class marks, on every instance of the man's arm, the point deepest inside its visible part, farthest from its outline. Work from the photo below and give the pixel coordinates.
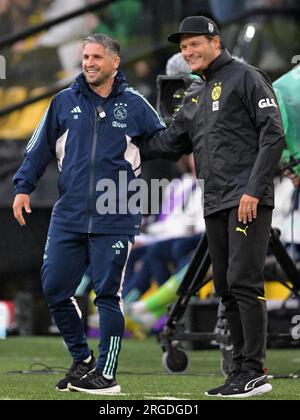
(170, 143)
(262, 106)
(39, 152)
(260, 101)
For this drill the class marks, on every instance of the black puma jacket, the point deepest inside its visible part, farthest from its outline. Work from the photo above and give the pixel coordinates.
(232, 123)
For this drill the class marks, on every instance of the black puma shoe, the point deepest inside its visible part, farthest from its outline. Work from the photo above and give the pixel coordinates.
(95, 383)
(76, 371)
(247, 384)
(215, 392)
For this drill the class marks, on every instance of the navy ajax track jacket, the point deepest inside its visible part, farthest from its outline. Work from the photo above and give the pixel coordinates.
(92, 139)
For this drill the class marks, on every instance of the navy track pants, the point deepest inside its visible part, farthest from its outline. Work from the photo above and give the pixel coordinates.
(67, 256)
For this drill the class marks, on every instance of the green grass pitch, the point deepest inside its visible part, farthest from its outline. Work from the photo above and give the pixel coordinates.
(140, 372)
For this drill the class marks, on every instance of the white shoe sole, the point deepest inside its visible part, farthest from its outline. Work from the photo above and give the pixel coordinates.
(62, 390)
(211, 396)
(264, 389)
(107, 391)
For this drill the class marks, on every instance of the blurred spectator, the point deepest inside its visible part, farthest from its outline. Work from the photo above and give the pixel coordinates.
(21, 12)
(25, 14)
(119, 20)
(143, 79)
(16, 15)
(156, 262)
(67, 36)
(5, 17)
(177, 65)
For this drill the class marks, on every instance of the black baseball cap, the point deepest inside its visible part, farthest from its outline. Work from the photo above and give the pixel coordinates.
(195, 25)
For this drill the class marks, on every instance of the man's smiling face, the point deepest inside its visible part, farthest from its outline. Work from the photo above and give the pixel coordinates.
(98, 64)
(199, 51)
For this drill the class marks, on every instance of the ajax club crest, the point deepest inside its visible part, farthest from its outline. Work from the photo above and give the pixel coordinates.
(120, 112)
(217, 92)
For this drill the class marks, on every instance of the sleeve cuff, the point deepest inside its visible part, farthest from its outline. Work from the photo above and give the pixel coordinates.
(22, 190)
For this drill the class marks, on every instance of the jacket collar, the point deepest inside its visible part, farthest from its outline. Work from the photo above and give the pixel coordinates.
(119, 85)
(218, 63)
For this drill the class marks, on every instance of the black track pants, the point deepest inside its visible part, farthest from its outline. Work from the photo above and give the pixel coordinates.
(238, 254)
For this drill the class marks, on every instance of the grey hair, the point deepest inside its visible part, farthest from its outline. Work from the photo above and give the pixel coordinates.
(106, 41)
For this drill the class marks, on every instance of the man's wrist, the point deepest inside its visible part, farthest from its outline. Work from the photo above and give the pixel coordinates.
(22, 190)
(252, 194)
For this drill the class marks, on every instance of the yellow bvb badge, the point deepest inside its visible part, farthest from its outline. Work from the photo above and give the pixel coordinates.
(217, 91)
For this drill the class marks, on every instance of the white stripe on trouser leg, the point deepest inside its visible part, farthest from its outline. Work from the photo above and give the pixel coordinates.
(114, 359)
(123, 278)
(115, 341)
(111, 357)
(112, 340)
(73, 300)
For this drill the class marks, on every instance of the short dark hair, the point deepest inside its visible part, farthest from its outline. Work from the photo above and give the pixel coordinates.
(211, 37)
(106, 41)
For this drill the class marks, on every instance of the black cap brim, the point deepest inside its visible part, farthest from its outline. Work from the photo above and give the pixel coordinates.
(176, 38)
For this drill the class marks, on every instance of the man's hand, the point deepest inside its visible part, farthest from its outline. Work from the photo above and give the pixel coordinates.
(293, 177)
(248, 209)
(21, 201)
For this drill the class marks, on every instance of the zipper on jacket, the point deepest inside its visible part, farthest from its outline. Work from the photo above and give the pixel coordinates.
(92, 174)
(206, 142)
(211, 176)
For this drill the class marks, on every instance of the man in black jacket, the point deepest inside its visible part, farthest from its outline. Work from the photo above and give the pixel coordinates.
(231, 121)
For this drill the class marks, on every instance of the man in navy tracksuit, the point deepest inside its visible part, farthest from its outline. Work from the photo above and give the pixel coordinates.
(89, 129)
